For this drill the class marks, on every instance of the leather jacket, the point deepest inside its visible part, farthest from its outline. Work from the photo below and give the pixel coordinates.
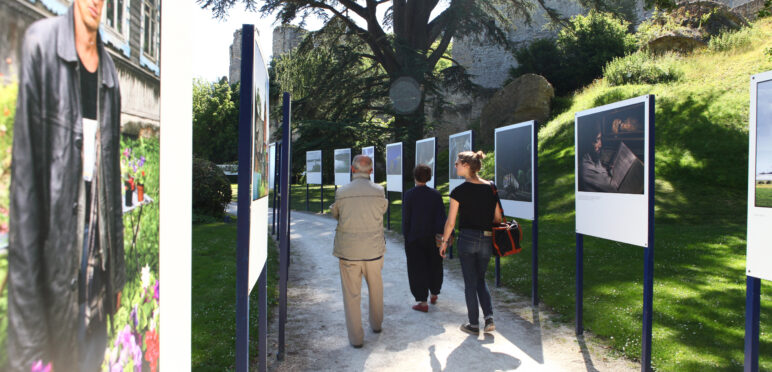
(47, 194)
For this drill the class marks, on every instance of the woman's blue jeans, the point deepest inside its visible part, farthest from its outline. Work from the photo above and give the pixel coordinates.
(474, 252)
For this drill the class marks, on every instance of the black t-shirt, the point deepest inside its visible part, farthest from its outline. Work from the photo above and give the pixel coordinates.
(88, 102)
(477, 205)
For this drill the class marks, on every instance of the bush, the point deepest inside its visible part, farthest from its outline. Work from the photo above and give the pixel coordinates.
(211, 190)
(579, 53)
(729, 41)
(7, 114)
(639, 68)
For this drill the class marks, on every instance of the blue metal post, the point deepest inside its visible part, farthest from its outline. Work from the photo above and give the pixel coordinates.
(388, 211)
(498, 271)
(284, 219)
(579, 283)
(535, 225)
(308, 205)
(244, 193)
(648, 265)
(752, 313)
(321, 204)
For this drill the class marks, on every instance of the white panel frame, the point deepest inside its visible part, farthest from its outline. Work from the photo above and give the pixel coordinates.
(518, 208)
(759, 244)
(433, 141)
(619, 217)
(453, 183)
(394, 182)
(314, 178)
(342, 179)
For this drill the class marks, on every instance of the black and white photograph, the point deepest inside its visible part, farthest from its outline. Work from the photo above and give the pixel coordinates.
(611, 150)
(514, 155)
(764, 145)
(425, 153)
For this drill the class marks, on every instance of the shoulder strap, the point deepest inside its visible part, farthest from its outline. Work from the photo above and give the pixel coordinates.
(498, 201)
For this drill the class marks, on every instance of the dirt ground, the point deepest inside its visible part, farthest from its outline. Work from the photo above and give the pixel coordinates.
(525, 339)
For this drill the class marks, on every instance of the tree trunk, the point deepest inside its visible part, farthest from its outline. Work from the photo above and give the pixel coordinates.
(409, 128)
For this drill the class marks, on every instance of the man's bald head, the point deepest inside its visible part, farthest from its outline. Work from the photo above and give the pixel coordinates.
(361, 164)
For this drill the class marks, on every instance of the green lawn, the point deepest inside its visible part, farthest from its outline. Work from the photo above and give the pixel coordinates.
(213, 303)
(764, 196)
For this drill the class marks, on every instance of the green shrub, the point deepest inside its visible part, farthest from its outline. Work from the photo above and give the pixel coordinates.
(579, 53)
(488, 169)
(640, 68)
(7, 114)
(211, 190)
(729, 41)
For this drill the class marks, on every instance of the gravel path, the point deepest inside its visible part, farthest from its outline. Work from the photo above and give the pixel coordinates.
(525, 339)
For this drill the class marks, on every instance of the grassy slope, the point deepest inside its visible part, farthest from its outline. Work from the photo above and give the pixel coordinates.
(701, 172)
(213, 297)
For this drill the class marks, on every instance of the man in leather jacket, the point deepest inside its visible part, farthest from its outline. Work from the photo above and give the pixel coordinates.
(66, 258)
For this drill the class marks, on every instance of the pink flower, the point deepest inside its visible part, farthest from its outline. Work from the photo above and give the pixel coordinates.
(39, 367)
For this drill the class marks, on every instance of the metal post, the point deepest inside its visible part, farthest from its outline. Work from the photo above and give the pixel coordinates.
(579, 282)
(284, 219)
(308, 206)
(648, 264)
(321, 204)
(752, 312)
(498, 271)
(535, 225)
(244, 178)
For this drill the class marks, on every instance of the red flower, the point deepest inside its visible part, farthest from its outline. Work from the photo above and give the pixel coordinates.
(151, 354)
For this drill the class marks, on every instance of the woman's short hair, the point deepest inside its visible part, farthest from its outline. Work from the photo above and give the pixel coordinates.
(422, 173)
(473, 159)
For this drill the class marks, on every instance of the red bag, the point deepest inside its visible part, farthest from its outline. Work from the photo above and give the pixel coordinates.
(507, 235)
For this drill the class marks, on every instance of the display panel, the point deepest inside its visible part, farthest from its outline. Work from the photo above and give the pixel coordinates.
(514, 156)
(314, 167)
(426, 153)
(342, 166)
(759, 255)
(394, 167)
(271, 166)
(612, 170)
(457, 143)
(370, 152)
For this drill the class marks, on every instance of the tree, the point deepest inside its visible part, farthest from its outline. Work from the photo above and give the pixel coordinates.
(215, 121)
(416, 43)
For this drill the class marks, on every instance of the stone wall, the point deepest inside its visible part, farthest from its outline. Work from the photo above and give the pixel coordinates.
(286, 38)
(234, 72)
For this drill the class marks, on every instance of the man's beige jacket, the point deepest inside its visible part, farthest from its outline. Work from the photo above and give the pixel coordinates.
(359, 208)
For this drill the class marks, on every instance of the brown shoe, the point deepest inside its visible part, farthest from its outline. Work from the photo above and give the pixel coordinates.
(421, 307)
(433, 299)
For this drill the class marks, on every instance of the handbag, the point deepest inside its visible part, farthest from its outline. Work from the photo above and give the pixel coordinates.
(507, 235)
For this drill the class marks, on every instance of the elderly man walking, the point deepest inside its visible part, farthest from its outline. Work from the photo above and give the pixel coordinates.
(360, 245)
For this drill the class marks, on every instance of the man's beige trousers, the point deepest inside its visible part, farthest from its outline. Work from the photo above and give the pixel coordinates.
(351, 273)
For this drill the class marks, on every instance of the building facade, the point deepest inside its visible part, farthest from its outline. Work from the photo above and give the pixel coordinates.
(131, 31)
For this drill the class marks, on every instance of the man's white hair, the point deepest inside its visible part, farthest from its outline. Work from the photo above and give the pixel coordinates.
(362, 163)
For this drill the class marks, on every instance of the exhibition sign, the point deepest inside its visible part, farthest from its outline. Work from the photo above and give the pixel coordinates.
(514, 168)
(271, 166)
(342, 166)
(426, 154)
(612, 171)
(457, 143)
(394, 167)
(314, 167)
(759, 256)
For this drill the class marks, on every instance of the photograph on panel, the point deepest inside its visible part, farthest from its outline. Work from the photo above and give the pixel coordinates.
(457, 144)
(425, 153)
(514, 163)
(394, 160)
(764, 145)
(342, 161)
(79, 225)
(314, 162)
(261, 133)
(611, 150)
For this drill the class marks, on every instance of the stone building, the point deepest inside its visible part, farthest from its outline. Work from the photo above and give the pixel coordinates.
(131, 32)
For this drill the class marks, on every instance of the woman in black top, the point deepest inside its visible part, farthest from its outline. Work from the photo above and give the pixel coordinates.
(423, 216)
(477, 205)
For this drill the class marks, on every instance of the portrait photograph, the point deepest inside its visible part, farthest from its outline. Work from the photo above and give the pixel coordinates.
(425, 153)
(611, 149)
(458, 143)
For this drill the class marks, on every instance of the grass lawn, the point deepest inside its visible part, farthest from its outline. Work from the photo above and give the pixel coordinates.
(764, 196)
(213, 302)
